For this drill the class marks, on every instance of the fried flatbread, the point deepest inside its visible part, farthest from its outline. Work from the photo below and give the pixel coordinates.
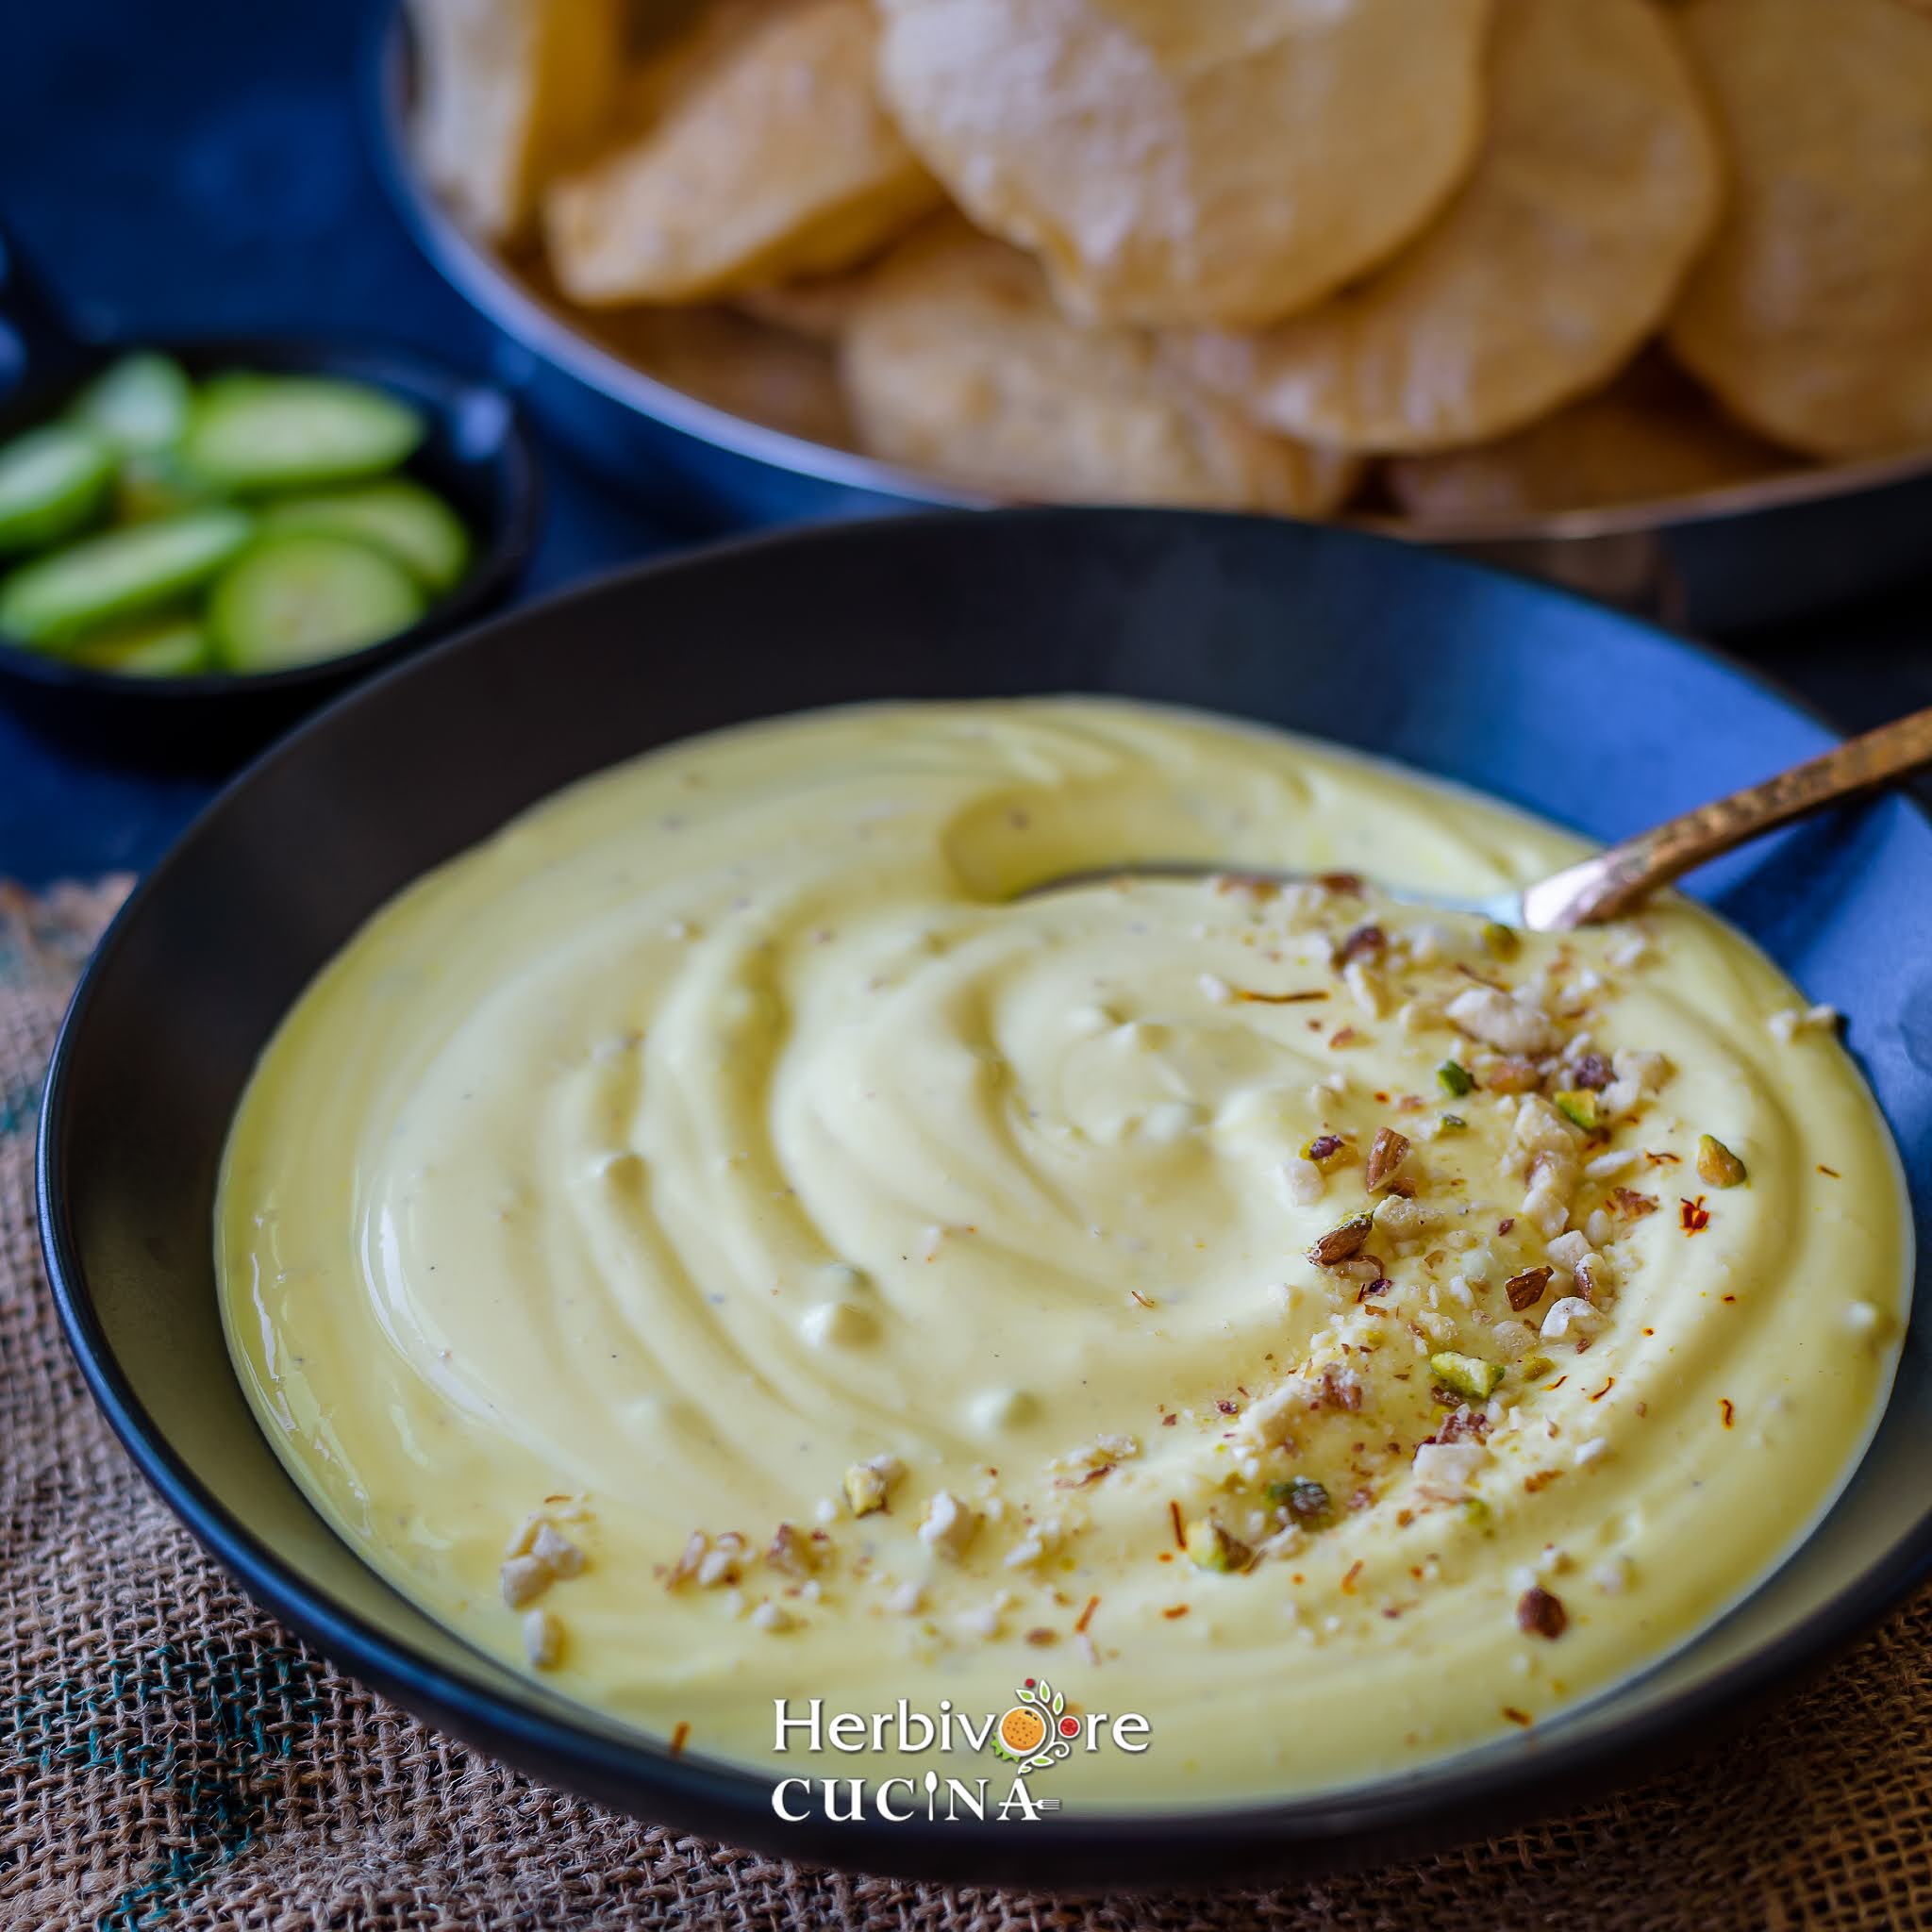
(1650, 436)
(506, 93)
(1811, 318)
(775, 162)
(1598, 184)
(1186, 162)
(956, 361)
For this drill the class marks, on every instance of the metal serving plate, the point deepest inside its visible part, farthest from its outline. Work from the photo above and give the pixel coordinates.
(1721, 562)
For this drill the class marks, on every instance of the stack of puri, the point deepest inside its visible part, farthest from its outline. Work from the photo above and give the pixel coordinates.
(1468, 258)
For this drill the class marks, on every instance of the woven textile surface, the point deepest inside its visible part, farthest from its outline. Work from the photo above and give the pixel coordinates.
(170, 1758)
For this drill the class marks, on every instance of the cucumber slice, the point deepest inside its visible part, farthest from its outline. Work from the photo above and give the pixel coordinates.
(416, 526)
(56, 599)
(160, 647)
(283, 432)
(152, 483)
(140, 403)
(52, 481)
(298, 598)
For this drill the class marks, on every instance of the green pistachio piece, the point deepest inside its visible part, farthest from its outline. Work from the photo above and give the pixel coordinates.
(1210, 1547)
(1455, 1079)
(1717, 1165)
(1305, 1499)
(1467, 1376)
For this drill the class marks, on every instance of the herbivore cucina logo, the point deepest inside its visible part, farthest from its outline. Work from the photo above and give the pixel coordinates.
(1036, 1732)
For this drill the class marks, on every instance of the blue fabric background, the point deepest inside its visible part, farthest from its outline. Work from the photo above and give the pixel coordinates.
(196, 166)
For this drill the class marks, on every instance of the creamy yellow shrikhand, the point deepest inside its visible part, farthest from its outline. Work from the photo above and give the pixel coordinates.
(712, 1244)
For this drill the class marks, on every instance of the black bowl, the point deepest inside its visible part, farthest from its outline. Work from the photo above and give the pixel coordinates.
(1559, 705)
(478, 455)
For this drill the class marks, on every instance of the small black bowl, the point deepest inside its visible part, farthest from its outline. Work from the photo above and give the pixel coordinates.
(477, 457)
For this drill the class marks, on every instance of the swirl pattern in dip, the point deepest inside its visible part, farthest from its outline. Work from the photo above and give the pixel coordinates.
(715, 1243)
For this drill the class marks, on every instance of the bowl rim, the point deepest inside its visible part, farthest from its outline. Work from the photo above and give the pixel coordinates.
(496, 565)
(1459, 1796)
(545, 330)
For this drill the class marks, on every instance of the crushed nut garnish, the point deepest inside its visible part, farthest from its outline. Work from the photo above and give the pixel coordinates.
(1364, 942)
(1539, 1614)
(1342, 1243)
(869, 1484)
(542, 1639)
(1468, 1375)
(948, 1526)
(1717, 1166)
(1631, 1204)
(550, 1546)
(1525, 1290)
(1387, 1153)
(1573, 1315)
(1507, 1022)
(523, 1581)
(792, 1552)
(1304, 1498)
(1209, 1546)
(1455, 1079)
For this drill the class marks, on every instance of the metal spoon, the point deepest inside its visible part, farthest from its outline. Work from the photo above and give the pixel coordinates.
(1616, 879)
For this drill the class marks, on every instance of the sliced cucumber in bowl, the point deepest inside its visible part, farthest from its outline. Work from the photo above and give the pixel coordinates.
(397, 515)
(306, 596)
(249, 432)
(175, 647)
(140, 404)
(53, 480)
(58, 599)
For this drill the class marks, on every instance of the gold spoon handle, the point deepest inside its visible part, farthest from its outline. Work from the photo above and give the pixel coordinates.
(1613, 882)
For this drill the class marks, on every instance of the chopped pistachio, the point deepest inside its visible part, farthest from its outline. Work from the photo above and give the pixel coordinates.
(1450, 1124)
(1717, 1165)
(1502, 942)
(1455, 1079)
(1579, 1105)
(1532, 1366)
(1467, 1376)
(1304, 1498)
(1210, 1547)
(1475, 1510)
(1325, 1151)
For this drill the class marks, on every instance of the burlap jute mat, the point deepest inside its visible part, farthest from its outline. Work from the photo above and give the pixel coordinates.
(172, 1759)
